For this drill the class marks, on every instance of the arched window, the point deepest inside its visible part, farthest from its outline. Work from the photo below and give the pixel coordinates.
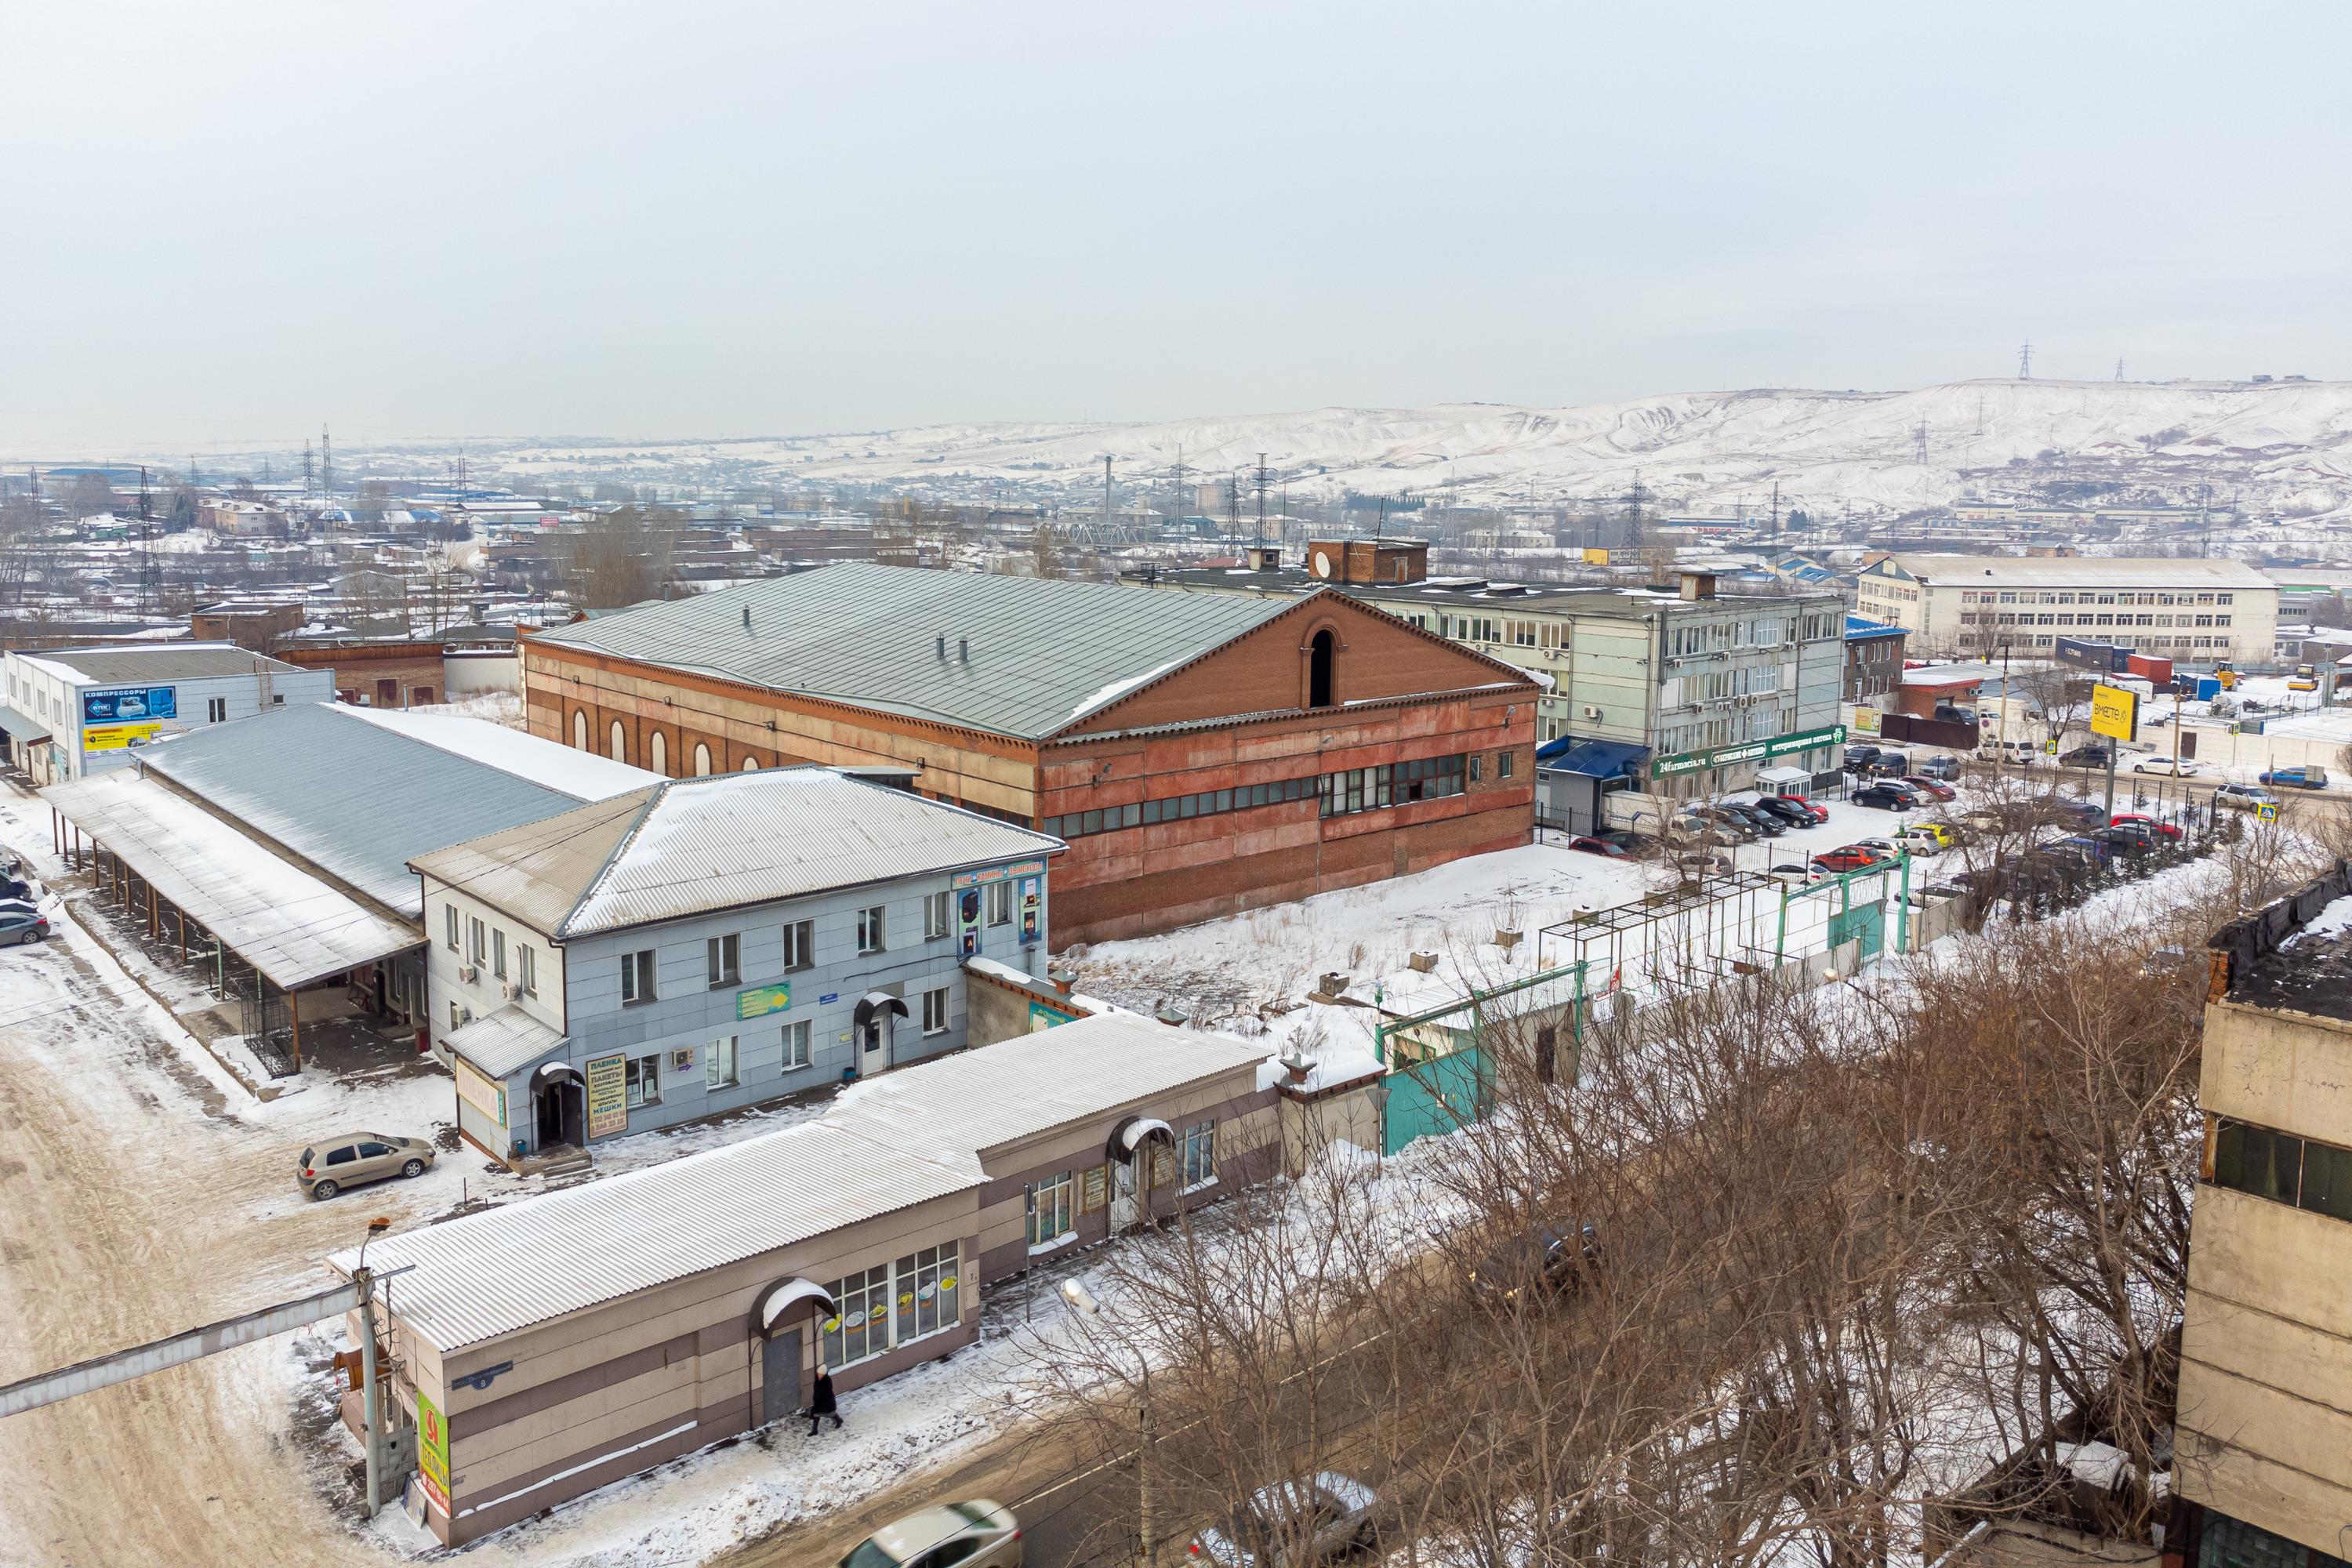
(619, 749)
(580, 729)
(701, 761)
(659, 749)
(1320, 654)
(751, 764)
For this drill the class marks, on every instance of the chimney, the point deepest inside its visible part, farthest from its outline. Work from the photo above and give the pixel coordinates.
(1699, 584)
(1263, 557)
(963, 651)
(943, 648)
(747, 617)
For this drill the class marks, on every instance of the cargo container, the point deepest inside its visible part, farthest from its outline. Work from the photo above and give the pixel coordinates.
(2155, 667)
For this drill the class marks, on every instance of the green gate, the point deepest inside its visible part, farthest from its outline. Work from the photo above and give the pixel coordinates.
(1867, 922)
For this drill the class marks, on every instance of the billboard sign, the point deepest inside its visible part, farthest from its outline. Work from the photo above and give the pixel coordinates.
(128, 705)
(760, 1001)
(608, 1096)
(2115, 712)
(432, 1452)
(118, 737)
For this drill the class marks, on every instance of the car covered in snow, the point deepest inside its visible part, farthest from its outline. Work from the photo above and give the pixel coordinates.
(1293, 1524)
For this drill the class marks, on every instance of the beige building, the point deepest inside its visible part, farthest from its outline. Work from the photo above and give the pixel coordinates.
(547, 1347)
(2263, 1453)
(2189, 610)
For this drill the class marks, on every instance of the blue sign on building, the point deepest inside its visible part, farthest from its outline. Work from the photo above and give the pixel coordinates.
(130, 705)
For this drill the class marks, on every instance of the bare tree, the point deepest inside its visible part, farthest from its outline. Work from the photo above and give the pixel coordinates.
(623, 558)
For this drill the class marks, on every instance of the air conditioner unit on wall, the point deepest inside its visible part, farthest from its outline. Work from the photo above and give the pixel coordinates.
(469, 972)
(681, 1059)
(1592, 713)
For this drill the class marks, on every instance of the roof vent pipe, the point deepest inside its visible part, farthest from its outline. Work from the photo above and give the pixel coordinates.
(943, 647)
(747, 617)
(963, 649)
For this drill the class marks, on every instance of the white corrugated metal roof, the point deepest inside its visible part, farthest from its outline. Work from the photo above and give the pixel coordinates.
(731, 840)
(2075, 571)
(1000, 1094)
(523, 1263)
(505, 1040)
(275, 916)
(910, 1136)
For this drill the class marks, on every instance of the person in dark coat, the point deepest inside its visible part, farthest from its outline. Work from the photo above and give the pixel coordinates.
(821, 1403)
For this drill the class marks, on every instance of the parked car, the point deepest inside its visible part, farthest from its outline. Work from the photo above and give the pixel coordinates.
(972, 1534)
(2168, 829)
(1857, 758)
(1795, 812)
(2083, 757)
(1848, 858)
(1738, 829)
(1886, 796)
(1886, 849)
(2089, 813)
(1821, 813)
(1944, 832)
(11, 863)
(1789, 871)
(1945, 767)
(2243, 797)
(1934, 789)
(1327, 1514)
(2297, 778)
(1586, 843)
(22, 927)
(1756, 818)
(2089, 850)
(1890, 765)
(2170, 767)
(357, 1158)
(1922, 840)
(1552, 1256)
(2129, 837)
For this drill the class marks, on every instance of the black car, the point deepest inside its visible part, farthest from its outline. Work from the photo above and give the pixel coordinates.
(1554, 1256)
(1857, 758)
(2131, 836)
(1895, 764)
(2083, 757)
(1886, 797)
(1764, 822)
(1787, 811)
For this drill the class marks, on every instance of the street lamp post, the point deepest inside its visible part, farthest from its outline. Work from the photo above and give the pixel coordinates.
(371, 1399)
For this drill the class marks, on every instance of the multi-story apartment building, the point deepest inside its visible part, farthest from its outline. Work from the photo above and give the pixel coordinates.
(705, 944)
(1648, 696)
(2192, 611)
(2263, 1459)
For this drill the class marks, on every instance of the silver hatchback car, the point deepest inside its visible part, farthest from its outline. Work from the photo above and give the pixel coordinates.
(357, 1158)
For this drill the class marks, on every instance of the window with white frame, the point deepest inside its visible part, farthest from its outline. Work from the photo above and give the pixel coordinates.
(719, 1062)
(800, 944)
(1048, 1206)
(643, 1077)
(499, 954)
(869, 929)
(1197, 1156)
(935, 916)
(935, 1011)
(478, 935)
(527, 968)
(860, 1326)
(1000, 903)
(451, 911)
(796, 1046)
(925, 1290)
(637, 977)
(723, 961)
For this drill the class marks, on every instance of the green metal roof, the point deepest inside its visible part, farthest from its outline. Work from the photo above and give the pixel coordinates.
(1042, 653)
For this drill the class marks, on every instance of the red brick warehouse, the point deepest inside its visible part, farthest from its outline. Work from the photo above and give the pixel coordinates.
(1202, 754)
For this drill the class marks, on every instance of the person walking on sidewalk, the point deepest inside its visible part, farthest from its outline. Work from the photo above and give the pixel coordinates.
(821, 1403)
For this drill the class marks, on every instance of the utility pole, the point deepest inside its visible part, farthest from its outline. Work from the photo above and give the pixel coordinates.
(1105, 533)
(310, 474)
(1919, 444)
(1179, 515)
(2025, 361)
(1261, 499)
(2119, 370)
(1776, 510)
(370, 1402)
(326, 463)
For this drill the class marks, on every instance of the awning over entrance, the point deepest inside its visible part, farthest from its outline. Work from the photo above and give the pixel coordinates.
(877, 1005)
(1594, 759)
(786, 1294)
(1130, 1133)
(504, 1043)
(21, 726)
(288, 924)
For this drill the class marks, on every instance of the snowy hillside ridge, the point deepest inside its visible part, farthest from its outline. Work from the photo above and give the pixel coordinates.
(2283, 445)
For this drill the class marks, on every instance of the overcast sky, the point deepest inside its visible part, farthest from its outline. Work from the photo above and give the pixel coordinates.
(232, 222)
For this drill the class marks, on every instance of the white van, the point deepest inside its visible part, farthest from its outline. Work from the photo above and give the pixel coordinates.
(2012, 752)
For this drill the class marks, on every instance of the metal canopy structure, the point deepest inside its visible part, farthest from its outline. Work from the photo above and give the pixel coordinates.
(292, 927)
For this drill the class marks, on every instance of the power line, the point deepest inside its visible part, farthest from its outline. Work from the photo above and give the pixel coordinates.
(2025, 361)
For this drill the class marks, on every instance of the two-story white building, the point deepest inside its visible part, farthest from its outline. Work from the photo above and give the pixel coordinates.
(70, 712)
(709, 943)
(2189, 610)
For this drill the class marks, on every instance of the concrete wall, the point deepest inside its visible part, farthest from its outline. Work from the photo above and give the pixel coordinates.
(2265, 1408)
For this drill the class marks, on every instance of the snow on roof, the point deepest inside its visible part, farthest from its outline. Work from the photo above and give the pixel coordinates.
(281, 920)
(890, 1144)
(583, 775)
(687, 846)
(2073, 571)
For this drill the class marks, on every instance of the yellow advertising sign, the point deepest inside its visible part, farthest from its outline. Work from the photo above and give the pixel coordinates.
(115, 737)
(1865, 721)
(608, 1096)
(2115, 712)
(432, 1452)
(1595, 555)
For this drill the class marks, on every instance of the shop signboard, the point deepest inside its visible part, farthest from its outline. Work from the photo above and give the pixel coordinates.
(1042, 1017)
(433, 1451)
(118, 737)
(126, 706)
(968, 921)
(1033, 911)
(998, 873)
(608, 1095)
(759, 1001)
(1753, 751)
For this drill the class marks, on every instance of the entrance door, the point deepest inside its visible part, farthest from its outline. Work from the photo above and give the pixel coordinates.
(550, 1115)
(1125, 1190)
(779, 1377)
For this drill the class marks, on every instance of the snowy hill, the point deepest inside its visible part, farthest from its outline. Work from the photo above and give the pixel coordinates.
(2288, 444)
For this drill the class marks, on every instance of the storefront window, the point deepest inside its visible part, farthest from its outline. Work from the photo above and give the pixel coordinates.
(860, 1326)
(925, 1292)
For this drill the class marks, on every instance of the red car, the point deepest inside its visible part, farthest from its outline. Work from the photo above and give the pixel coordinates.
(1596, 847)
(1851, 857)
(2144, 820)
(1937, 788)
(1820, 814)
